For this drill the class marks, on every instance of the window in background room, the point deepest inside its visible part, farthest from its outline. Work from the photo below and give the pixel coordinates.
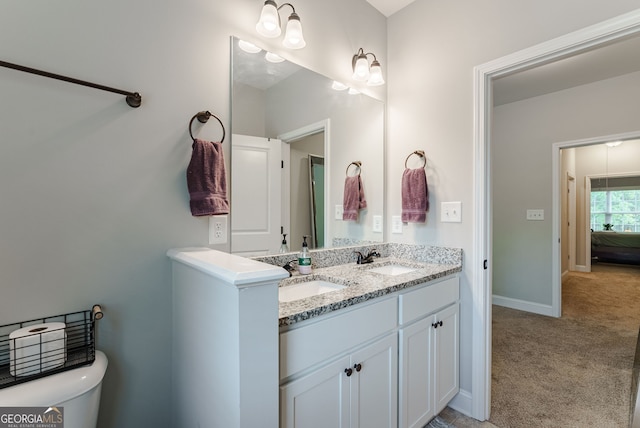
(620, 208)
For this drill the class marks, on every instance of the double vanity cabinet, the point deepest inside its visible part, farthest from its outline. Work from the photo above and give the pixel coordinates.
(378, 350)
(391, 362)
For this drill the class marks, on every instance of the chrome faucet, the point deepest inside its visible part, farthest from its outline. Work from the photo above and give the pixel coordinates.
(368, 258)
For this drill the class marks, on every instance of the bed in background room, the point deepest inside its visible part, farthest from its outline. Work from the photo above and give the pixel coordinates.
(615, 247)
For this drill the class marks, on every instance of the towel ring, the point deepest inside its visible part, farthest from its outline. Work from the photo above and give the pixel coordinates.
(203, 117)
(358, 165)
(419, 153)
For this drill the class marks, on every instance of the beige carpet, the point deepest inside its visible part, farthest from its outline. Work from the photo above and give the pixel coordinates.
(573, 371)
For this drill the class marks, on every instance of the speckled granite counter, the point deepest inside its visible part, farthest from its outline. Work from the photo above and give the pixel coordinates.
(338, 266)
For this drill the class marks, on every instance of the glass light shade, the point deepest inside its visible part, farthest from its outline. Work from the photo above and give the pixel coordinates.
(271, 57)
(293, 38)
(337, 86)
(361, 69)
(375, 75)
(269, 23)
(248, 47)
(353, 91)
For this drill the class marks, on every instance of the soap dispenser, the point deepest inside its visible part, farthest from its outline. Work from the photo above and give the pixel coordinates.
(304, 258)
(284, 248)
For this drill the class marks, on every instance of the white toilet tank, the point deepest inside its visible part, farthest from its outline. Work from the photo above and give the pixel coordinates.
(77, 391)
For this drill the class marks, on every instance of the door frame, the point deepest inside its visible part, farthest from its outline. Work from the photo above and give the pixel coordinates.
(571, 220)
(568, 45)
(290, 137)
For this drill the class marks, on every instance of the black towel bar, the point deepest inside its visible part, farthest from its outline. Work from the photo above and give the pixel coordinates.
(134, 99)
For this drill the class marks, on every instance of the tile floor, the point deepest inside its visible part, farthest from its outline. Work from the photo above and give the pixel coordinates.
(461, 421)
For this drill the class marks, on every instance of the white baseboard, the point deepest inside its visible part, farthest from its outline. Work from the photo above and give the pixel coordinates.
(523, 305)
(462, 403)
(582, 268)
(564, 275)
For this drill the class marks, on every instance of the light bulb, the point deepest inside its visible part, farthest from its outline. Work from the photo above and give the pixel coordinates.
(361, 69)
(293, 38)
(375, 76)
(269, 23)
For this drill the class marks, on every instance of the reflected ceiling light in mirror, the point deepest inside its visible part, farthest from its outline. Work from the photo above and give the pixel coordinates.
(363, 72)
(248, 47)
(337, 86)
(353, 91)
(614, 143)
(269, 25)
(271, 57)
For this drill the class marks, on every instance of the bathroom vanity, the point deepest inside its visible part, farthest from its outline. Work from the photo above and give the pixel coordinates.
(367, 346)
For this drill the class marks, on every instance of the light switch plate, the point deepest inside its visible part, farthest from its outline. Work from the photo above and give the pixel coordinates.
(535, 215)
(218, 229)
(339, 211)
(451, 212)
(396, 224)
(377, 223)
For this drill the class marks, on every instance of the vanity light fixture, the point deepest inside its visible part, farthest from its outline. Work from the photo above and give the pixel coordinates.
(363, 72)
(271, 57)
(613, 143)
(248, 47)
(269, 25)
(337, 86)
(353, 91)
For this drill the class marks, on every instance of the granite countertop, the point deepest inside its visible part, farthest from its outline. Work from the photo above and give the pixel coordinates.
(362, 285)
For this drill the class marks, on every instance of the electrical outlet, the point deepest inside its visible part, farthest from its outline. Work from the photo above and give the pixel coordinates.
(535, 215)
(218, 229)
(396, 224)
(377, 223)
(339, 211)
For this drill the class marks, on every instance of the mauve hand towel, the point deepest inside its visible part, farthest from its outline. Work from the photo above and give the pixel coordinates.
(207, 180)
(415, 196)
(353, 199)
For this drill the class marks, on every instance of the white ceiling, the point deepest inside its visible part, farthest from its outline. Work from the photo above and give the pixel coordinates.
(389, 7)
(605, 62)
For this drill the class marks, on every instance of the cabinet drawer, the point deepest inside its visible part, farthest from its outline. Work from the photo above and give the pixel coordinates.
(423, 301)
(303, 347)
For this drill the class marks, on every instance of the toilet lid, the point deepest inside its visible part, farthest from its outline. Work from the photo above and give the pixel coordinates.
(57, 388)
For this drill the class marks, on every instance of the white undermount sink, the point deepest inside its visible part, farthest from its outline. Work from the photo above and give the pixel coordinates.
(289, 293)
(392, 269)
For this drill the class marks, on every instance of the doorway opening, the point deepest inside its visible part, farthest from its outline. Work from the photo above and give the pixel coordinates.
(571, 44)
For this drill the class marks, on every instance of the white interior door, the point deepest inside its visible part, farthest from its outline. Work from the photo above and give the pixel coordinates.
(571, 220)
(256, 195)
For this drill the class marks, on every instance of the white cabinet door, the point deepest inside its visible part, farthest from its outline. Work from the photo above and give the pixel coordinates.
(356, 391)
(416, 374)
(374, 385)
(446, 361)
(318, 400)
(429, 359)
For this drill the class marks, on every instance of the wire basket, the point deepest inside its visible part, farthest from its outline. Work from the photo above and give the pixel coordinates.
(37, 355)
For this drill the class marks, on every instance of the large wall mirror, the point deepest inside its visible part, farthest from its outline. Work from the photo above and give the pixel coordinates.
(287, 119)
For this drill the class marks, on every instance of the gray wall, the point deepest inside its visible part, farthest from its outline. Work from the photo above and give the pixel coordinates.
(521, 154)
(93, 193)
(433, 47)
